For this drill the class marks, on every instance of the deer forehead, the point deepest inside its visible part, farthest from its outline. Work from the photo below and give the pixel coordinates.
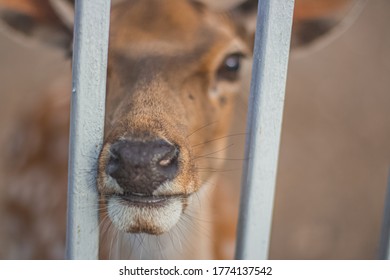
(169, 28)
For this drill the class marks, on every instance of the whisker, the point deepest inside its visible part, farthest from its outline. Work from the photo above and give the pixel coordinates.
(198, 227)
(219, 138)
(203, 127)
(177, 239)
(232, 159)
(118, 248)
(160, 248)
(218, 171)
(183, 234)
(111, 235)
(223, 149)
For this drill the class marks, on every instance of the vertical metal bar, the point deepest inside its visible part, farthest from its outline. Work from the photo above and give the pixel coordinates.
(270, 59)
(87, 123)
(384, 245)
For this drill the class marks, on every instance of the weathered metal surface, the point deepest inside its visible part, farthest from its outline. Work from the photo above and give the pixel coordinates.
(270, 60)
(87, 123)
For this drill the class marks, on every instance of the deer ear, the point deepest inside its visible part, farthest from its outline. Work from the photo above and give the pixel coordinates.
(48, 21)
(313, 19)
(319, 21)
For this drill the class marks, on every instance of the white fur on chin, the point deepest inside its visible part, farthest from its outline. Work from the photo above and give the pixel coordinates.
(128, 218)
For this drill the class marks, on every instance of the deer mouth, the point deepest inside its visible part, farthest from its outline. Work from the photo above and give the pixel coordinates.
(142, 200)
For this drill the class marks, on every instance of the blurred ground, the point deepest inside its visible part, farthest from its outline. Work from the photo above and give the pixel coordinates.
(335, 150)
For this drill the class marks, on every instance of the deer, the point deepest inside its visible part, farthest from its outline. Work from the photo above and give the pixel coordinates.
(175, 71)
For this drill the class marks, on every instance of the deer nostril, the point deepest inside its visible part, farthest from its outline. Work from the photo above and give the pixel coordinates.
(113, 164)
(165, 162)
(169, 158)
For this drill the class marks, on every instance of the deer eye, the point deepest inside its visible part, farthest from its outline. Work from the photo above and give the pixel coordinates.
(230, 67)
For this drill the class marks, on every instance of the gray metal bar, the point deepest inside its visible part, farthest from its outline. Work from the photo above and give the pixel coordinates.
(87, 123)
(270, 59)
(384, 245)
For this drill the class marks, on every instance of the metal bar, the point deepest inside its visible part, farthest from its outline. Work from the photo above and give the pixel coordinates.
(87, 123)
(384, 245)
(270, 60)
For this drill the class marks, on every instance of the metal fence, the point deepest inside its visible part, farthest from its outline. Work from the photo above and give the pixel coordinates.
(87, 123)
(264, 125)
(270, 59)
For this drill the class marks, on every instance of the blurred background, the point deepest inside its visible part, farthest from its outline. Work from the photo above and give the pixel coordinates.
(335, 147)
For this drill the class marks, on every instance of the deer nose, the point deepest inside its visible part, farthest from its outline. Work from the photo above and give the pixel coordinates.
(141, 167)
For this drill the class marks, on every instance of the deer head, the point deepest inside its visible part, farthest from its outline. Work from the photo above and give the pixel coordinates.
(173, 74)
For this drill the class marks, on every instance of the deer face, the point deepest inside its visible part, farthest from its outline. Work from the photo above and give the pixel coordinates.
(174, 70)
